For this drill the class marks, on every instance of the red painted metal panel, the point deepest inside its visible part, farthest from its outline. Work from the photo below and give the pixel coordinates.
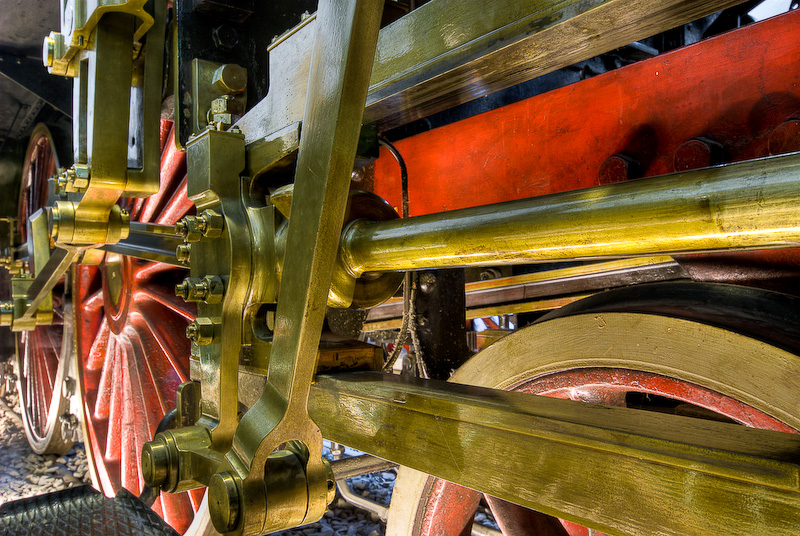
(733, 90)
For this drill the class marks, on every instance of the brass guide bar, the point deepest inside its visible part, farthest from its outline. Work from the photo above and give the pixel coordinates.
(747, 205)
(149, 241)
(685, 473)
(422, 66)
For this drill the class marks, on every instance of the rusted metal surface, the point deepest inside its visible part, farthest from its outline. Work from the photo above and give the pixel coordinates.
(734, 89)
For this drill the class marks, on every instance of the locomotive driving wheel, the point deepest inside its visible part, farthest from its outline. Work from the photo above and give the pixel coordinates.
(43, 354)
(131, 350)
(632, 356)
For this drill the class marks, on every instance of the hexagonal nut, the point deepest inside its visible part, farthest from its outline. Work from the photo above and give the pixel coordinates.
(225, 37)
(214, 223)
(220, 105)
(225, 120)
(191, 289)
(230, 78)
(81, 171)
(201, 331)
(226, 104)
(190, 228)
(214, 289)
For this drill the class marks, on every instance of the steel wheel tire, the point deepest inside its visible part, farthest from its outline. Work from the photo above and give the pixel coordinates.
(44, 354)
(132, 352)
(600, 357)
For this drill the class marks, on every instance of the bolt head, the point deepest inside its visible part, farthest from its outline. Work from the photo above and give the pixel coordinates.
(230, 78)
(201, 331)
(212, 223)
(225, 37)
(214, 289)
(618, 168)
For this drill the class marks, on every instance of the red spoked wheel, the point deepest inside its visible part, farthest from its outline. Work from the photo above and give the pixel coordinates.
(132, 352)
(631, 359)
(43, 354)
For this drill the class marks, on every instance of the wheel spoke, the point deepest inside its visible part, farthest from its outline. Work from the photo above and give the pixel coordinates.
(98, 351)
(163, 331)
(515, 520)
(177, 206)
(153, 270)
(170, 301)
(196, 497)
(132, 400)
(39, 390)
(150, 377)
(173, 169)
(178, 510)
(50, 355)
(114, 437)
(133, 354)
(93, 304)
(107, 381)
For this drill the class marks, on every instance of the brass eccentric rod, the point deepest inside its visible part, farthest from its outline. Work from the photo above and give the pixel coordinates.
(747, 205)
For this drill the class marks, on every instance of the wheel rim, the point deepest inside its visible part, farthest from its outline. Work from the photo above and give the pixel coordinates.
(582, 369)
(41, 353)
(131, 350)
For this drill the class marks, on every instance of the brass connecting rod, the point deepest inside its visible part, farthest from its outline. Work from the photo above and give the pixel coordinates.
(753, 204)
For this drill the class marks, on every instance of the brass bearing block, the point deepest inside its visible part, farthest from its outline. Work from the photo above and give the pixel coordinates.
(70, 224)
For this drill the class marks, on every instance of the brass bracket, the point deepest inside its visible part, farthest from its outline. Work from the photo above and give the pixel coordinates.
(219, 94)
(116, 145)
(79, 21)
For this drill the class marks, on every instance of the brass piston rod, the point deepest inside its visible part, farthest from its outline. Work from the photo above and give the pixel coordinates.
(752, 204)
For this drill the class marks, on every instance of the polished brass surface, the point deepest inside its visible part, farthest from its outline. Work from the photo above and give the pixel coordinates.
(729, 363)
(703, 469)
(215, 160)
(345, 290)
(79, 21)
(449, 52)
(148, 241)
(6, 313)
(113, 276)
(748, 205)
(110, 66)
(262, 285)
(31, 293)
(218, 94)
(284, 488)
